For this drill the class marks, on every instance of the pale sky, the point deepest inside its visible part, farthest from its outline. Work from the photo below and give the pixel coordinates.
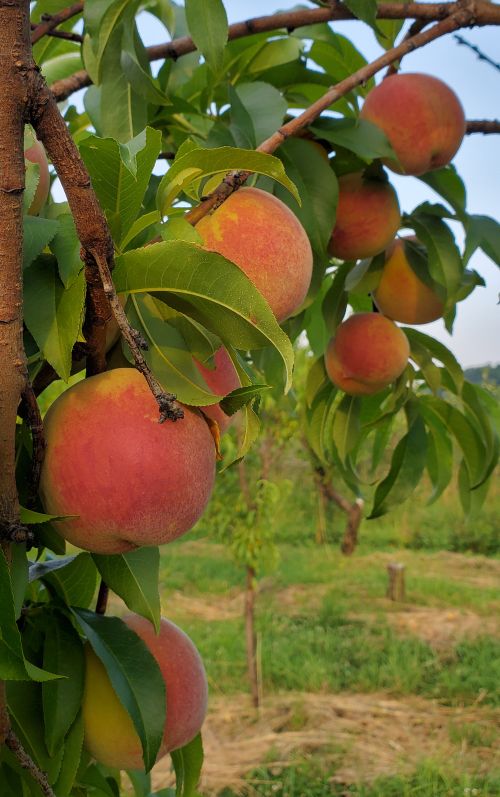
(476, 336)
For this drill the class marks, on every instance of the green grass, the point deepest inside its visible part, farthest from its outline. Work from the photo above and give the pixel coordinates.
(312, 779)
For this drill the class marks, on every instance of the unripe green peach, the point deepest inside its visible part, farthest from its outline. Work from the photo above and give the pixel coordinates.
(368, 217)
(401, 294)
(422, 118)
(130, 480)
(110, 735)
(367, 353)
(36, 154)
(259, 233)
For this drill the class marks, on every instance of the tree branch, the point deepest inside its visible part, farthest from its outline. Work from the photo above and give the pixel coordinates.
(51, 21)
(485, 126)
(481, 56)
(15, 746)
(234, 180)
(483, 13)
(97, 246)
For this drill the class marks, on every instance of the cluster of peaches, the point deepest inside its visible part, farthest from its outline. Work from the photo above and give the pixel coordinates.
(121, 480)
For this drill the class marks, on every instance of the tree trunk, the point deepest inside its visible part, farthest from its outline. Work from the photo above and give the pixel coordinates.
(251, 637)
(396, 586)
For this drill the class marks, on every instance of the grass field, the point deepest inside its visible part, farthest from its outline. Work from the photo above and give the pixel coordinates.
(361, 696)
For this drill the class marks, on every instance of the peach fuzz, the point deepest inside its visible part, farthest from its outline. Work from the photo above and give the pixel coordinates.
(368, 217)
(36, 154)
(221, 379)
(422, 118)
(130, 480)
(110, 735)
(266, 240)
(367, 353)
(401, 294)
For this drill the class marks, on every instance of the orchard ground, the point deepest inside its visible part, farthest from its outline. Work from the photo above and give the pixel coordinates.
(361, 696)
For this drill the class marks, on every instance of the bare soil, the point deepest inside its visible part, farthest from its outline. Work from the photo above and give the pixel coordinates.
(357, 736)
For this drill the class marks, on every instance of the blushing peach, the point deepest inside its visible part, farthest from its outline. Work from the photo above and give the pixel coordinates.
(422, 118)
(401, 294)
(266, 240)
(130, 480)
(368, 217)
(110, 735)
(367, 353)
(221, 379)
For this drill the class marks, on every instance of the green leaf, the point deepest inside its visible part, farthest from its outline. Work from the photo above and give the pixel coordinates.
(249, 433)
(407, 465)
(75, 583)
(134, 674)
(204, 162)
(61, 699)
(439, 458)
(24, 701)
(13, 665)
(52, 313)
(365, 10)
(168, 355)
(137, 70)
(101, 20)
(120, 176)
(206, 286)
(483, 232)
(65, 245)
(133, 576)
(318, 189)
(264, 106)
(471, 397)
(238, 398)
(73, 745)
(141, 224)
(449, 185)
(445, 264)
(346, 425)
(207, 23)
(340, 61)
(188, 761)
(18, 576)
(178, 229)
(62, 66)
(37, 234)
(439, 352)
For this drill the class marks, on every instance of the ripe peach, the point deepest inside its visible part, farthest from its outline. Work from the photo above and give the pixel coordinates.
(222, 380)
(422, 118)
(130, 480)
(266, 240)
(367, 220)
(367, 353)
(110, 735)
(36, 154)
(401, 294)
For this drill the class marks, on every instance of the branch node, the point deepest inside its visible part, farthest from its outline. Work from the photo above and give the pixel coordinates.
(17, 533)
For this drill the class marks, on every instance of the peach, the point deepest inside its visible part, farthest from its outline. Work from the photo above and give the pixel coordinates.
(368, 217)
(221, 379)
(367, 353)
(110, 735)
(401, 294)
(130, 480)
(266, 240)
(422, 118)
(36, 154)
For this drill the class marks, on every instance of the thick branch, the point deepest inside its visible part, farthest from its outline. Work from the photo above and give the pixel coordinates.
(51, 21)
(235, 180)
(485, 126)
(484, 14)
(27, 763)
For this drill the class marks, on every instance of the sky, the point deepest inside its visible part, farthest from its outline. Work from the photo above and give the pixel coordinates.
(476, 334)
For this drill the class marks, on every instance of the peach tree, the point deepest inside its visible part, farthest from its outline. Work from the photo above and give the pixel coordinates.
(259, 123)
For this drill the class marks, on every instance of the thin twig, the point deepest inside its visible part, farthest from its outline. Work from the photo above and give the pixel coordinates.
(417, 26)
(30, 412)
(485, 14)
(235, 180)
(166, 401)
(102, 598)
(15, 746)
(481, 56)
(68, 35)
(485, 126)
(51, 21)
